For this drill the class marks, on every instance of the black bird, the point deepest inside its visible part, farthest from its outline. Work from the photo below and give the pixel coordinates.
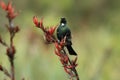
(62, 31)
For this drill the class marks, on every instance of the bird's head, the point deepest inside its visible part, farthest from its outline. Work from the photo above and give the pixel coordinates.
(63, 21)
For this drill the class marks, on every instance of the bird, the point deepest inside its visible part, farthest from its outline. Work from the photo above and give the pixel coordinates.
(64, 31)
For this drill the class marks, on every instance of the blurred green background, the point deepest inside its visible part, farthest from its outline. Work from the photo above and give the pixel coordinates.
(95, 26)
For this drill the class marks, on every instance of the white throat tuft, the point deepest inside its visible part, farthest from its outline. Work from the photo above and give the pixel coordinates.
(62, 24)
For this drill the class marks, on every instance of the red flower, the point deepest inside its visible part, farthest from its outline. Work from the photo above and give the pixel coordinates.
(58, 47)
(35, 20)
(10, 10)
(64, 59)
(9, 7)
(37, 23)
(70, 66)
(57, 52)
(67, 71)
(41, 23)
(73, 64)
(62, 42)
(51, 30)
(3, 5)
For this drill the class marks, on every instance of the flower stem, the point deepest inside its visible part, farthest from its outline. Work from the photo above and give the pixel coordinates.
(11, 45)
(73, 69)
(12, 69)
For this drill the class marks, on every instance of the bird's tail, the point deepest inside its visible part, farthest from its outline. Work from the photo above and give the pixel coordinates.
(70, 50)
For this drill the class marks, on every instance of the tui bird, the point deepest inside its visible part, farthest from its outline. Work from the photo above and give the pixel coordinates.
(63, 31)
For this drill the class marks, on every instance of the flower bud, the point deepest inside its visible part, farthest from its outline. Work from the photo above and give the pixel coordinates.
(35, 20)
(10, 52)
(3, 5)
(16, 29)
(1, 68)
(51, 30)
